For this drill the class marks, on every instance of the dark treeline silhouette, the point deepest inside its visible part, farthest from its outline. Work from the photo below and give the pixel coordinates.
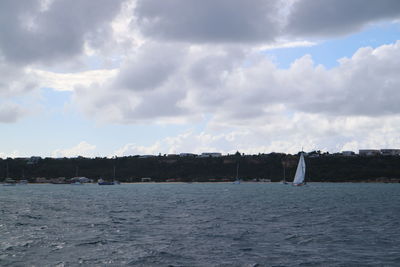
(320, 167)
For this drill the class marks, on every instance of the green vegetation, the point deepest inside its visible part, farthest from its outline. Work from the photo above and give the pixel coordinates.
(320, 167)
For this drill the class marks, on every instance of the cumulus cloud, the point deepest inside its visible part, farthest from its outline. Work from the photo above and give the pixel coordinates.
(288, 135)
(144, 94)
(83, 149)
(13, 154)
(238, 86)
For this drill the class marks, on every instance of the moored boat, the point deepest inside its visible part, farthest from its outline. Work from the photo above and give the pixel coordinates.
(9, 182)
(102, 182)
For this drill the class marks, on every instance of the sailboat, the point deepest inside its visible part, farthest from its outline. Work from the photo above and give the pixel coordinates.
(284, 175)
(114, 182)
(300, 172)
(237, 181)
(9, 181)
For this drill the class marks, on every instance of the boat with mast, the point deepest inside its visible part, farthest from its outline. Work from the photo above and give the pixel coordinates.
(9, 181)
(237, 181)
(284, 165)
(114, 182)
(300, 172)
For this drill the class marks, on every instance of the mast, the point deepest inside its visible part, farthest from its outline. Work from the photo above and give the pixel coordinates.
(237, 171)
(284, 174)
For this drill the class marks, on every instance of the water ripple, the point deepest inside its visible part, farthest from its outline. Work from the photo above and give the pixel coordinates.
(200, 225)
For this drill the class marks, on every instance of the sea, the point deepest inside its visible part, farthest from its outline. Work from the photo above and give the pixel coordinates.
(200, 224)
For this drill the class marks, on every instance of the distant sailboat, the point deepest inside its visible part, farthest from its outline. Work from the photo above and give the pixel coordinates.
(300, 172)
(284, 173)
(9, 181)
(237, 175)
(114, 182)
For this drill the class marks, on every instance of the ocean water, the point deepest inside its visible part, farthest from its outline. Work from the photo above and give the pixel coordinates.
(265, 224)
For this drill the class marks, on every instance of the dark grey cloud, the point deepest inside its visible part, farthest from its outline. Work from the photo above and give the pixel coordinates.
(15, 81)
(237, 21)
(30, 33)
(10, 113)
(208, 70)
(150, 68)
(208, 20)
(337, 17)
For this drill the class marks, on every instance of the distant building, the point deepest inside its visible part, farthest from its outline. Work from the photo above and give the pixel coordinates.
(41, 180)
(146, 180)
(369, 152)
(146, 156)
(81, 179)
(348, 153)
(187, 155)
(390, 152)
(210, 154)
(33, 160)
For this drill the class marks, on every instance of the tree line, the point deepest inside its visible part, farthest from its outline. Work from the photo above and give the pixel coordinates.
(273, 166)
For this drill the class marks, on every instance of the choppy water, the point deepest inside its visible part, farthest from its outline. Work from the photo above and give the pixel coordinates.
(200, 225)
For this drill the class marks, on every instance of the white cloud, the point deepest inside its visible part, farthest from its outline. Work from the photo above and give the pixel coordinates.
(83, 149)
(286, 44)
(237, 86)
(290, 135)
(133, 149)
(68, 81)
(13, 154)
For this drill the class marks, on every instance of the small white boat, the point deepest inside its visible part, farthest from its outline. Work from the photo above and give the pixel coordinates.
(300, 172)
(23, 182)
(9, 182)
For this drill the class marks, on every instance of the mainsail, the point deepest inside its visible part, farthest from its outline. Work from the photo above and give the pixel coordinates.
(300, 171)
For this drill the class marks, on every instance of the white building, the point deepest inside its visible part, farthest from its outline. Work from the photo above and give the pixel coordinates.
(210, 154)
(348, 153)
(146, 156)
(369, 152)
(390, 152)
(187, 155)
(81, 179)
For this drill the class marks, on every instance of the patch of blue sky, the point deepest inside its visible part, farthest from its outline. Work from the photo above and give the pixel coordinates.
(327, 52)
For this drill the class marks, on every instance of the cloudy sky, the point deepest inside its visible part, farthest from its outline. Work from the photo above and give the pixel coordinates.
(127, 77)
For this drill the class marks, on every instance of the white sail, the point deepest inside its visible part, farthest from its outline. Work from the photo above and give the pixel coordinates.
(300, 171)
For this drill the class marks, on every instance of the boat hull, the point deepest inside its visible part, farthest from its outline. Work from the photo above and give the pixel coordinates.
(9, 184)
(108, 183)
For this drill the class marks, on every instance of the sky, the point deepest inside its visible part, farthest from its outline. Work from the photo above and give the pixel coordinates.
(111, 78)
